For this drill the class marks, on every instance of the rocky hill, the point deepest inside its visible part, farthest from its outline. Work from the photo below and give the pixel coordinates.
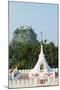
(25, 34)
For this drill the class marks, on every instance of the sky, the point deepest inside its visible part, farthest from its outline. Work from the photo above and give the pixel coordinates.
(42, 17)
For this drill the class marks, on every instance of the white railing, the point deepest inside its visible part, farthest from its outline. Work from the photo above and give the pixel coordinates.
(32, 81)
(22, 71)
(55, 69)
(28, 70)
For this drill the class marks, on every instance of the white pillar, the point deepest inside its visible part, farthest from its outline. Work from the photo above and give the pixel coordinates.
(12, 75)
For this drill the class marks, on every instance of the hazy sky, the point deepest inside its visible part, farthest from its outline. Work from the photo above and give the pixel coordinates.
(42, 18)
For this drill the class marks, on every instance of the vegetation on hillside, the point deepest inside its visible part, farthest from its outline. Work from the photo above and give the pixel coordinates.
(25, 55)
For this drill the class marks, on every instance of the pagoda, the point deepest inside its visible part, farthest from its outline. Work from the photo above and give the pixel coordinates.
(41, 65)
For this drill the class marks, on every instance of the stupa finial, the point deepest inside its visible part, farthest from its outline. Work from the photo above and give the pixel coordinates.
(41, 43)
(41, 37)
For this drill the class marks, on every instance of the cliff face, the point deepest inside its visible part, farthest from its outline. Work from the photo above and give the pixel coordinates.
(24, 34)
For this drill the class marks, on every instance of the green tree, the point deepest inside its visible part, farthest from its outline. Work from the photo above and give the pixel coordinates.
(25, 55)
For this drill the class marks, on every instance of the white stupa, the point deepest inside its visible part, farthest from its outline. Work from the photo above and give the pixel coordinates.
(41, 65)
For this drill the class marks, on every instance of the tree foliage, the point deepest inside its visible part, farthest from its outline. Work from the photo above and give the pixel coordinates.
(25, 55)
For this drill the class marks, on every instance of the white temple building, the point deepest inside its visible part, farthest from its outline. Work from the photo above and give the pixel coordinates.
(41, 65)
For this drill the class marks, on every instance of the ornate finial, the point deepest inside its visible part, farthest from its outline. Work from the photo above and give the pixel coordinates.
(41, 43)
(41, 37)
